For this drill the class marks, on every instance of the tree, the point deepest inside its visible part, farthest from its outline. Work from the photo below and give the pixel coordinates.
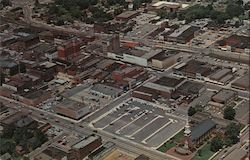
(229, 113)
(2, 78)
(5, 3)
(136, 4)
(234, 10)
(216, 144)
(232, 132)
(191, 111)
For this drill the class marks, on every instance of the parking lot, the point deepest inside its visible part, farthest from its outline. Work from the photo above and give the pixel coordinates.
(141, 122)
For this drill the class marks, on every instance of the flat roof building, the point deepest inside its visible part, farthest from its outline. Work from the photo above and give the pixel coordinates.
(225, 96)
(86, 146)
(106, 91)
(72, 109)
(183, 34)
(242, 83)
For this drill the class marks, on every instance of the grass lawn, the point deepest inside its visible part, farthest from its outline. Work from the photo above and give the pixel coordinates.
(166, 146)
(171, 143)
(205, 153)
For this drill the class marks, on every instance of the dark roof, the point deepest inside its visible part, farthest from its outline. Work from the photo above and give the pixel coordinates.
(236, 41)
(142, 157)
(164, 54)
(189, 32)
(202, 128)
(169, 81)
(191, 87)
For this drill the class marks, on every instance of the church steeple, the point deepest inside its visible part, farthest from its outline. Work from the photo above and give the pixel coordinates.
(187, 130)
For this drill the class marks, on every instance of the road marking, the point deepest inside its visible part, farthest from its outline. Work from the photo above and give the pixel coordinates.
(170, 121)
(145, 126)
(118, 131)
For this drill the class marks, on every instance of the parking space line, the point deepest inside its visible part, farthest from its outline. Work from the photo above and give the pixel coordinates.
(126, 113)
(118, 131)
(170, 121)
(144, 126)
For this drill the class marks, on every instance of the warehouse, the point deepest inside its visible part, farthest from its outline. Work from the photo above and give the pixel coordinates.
(165, 59)
(72, 109)
(225, 96)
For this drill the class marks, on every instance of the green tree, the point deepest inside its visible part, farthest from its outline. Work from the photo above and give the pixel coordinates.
(216, 144)
(229, 113)
(136, 4)
(232, 132)
(5, 3)
(191, 111)
(234, 10)
(2, 78)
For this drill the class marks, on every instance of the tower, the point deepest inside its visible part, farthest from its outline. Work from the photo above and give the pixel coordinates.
(187, 134)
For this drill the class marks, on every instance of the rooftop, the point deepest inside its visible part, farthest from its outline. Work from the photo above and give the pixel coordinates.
(224, 95)
(127, 14)
(105, 89)
(164, 54)
(169, 81)
(86, 141)
(184, 31)
(201, 129)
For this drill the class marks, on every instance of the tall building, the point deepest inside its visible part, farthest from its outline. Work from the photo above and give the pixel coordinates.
(69, 50)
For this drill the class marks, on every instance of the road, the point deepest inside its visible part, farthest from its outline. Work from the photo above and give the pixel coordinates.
(243, 139)
(84, 129)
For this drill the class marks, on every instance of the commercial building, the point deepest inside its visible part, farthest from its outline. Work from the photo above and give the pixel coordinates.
(165, 59)
(8, 66)
(168, 6)
(236, 43)
(222, 76)
(189, 87)
(200, 132)
(225, 96)
(242, 83)
(72, 109)
(69, 49)
(34, 97)
(125, 16)
(103, 90)
(194, 69)
(183, 34)
(102, 151)
(139, 55)
(87, 145)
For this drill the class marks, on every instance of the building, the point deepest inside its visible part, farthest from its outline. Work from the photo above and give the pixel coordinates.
(183, 34)
(241, 83)
(25, 42)
(69, 49)
(103, 90)
(51, 153)
(87, 145)
(236, 43)
(45, 70)
(72, 109)
(142, 157)
(33, 97)
(168, 6)
(8, 66)
(165, 59)
(221, 76)
(194, 69)
(125, 16)
(190, 87)
(18, 82)
(138, 55)
(102, 151)
(200, 132)
(225, 96)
